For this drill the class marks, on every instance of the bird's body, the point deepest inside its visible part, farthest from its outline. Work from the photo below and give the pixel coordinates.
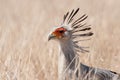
(69, 66)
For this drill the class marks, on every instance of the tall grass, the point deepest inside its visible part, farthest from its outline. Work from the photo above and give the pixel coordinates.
(25, 53)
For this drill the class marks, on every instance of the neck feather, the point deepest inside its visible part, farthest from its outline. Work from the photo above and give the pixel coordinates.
(66, 57)
(67, 49)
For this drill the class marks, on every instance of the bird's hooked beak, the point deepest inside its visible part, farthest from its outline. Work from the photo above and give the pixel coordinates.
(51, 36)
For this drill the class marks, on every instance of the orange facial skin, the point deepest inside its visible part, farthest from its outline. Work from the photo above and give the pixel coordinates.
(59, 32)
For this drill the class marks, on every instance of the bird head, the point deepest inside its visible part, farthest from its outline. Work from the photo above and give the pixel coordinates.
(71, 28)
(60, 33)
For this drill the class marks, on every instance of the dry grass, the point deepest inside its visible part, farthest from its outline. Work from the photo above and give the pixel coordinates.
(25, 53)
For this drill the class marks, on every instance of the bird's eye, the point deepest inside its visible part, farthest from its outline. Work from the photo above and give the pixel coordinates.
(61, 31)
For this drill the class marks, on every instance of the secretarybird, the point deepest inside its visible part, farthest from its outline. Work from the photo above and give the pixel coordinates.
(69, 66)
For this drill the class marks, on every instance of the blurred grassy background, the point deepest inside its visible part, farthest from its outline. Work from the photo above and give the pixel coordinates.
(25, 53)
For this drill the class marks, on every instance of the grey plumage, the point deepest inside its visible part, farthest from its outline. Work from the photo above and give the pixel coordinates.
(90, 73)
(69, 66)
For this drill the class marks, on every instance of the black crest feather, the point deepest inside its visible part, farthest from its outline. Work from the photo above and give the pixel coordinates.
(77, 27)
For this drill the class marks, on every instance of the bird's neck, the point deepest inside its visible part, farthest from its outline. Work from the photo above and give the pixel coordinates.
(66, 57)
